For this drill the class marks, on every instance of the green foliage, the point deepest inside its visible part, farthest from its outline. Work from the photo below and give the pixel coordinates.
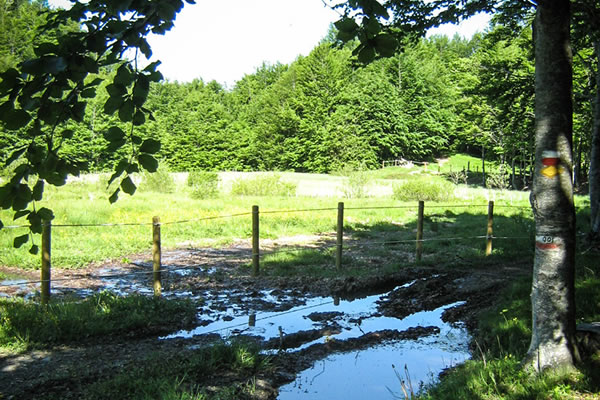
(26, 324)
(203, 184)
(263, 185)
(433, 190)
(498, 180)
(43, 96)
(159, 181)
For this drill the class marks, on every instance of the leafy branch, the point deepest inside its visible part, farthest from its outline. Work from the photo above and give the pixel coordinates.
(41, 95)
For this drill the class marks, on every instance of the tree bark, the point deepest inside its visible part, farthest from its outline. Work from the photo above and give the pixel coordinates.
(594, 177)
(552, 296)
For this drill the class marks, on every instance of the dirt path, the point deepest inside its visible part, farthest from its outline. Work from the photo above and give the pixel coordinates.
(65, 369)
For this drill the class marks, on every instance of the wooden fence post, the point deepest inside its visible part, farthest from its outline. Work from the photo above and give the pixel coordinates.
(156, 255)
(255, 242)
(420, 230)
(46, 261)
(490, 229)
(340, 236)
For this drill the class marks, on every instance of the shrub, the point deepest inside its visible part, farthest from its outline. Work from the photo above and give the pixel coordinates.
(160, 181)
(423, 190)
(203, 184)
(499, 180)
(358, 181)
(458, 177)
(263, 185)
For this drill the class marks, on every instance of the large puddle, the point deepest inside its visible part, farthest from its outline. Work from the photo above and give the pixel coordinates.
(376, 371)
(286, 321)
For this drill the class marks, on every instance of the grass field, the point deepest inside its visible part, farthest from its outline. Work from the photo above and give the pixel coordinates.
(96, 230)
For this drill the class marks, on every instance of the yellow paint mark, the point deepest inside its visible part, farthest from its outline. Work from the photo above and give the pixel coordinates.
(550, 171)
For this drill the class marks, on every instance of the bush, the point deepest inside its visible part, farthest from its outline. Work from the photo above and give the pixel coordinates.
(498, 180)
(263, 185)
(423, 191)
(458, 177)
(160, 181)
(204, 184)
(358, 181)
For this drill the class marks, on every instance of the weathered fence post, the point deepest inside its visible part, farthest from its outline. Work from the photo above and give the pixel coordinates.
(490, 229)
(255, 242)
(46, 261)
(340, 236)
(156, 255)
(420, 230)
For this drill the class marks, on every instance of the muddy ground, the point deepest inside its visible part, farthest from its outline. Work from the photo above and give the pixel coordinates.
(67, 368)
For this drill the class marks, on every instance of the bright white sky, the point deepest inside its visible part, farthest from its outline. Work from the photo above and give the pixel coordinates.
(227, 39)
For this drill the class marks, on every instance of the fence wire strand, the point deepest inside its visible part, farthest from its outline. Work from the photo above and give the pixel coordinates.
(248, 252)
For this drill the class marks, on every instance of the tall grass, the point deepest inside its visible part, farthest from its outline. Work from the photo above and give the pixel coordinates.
(26, 324)
(199, 221)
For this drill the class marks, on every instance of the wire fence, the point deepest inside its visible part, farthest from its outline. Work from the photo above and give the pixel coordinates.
(255, 254)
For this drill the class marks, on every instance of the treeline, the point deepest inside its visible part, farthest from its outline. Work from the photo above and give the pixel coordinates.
(324, 111)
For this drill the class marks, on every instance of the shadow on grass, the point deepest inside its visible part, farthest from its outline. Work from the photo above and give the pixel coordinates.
(451, 238)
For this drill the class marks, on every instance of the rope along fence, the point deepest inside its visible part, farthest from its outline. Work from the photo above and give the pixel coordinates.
(156, 224)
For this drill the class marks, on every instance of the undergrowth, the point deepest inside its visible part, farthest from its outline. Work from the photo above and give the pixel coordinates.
(25, 324)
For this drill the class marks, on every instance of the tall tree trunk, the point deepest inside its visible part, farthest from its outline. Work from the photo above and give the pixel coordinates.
(594, 177)
(552, 296)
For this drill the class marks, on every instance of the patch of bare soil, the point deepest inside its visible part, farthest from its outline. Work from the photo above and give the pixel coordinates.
(64, 370)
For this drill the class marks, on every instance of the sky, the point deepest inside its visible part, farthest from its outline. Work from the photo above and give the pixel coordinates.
(224, 40)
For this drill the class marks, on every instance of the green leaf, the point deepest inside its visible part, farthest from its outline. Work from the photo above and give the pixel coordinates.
(20, 240)
(16, 119)
(54, 65)
(78, 111)
(136, 139)
(128, 186)
(150, 146)
(10, 80)
(132, 168)
(34, 250)
(46, 214)
(152, 66)
(35, 223)
(116, 90)
(145, 48)
(113, 104)
(139, 118)
(141, 90)
(114, 197)
(148, 162)
(45, 48)
(346, 25)
(38, 190)
(386, 44)
(119, 169)
(366, 55)
(124, 75)
(114, 134)
(126, 111)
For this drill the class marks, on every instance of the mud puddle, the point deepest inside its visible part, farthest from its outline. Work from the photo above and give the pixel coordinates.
(284, 324)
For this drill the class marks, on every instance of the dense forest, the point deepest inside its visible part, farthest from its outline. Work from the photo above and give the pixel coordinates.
(325, 111)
